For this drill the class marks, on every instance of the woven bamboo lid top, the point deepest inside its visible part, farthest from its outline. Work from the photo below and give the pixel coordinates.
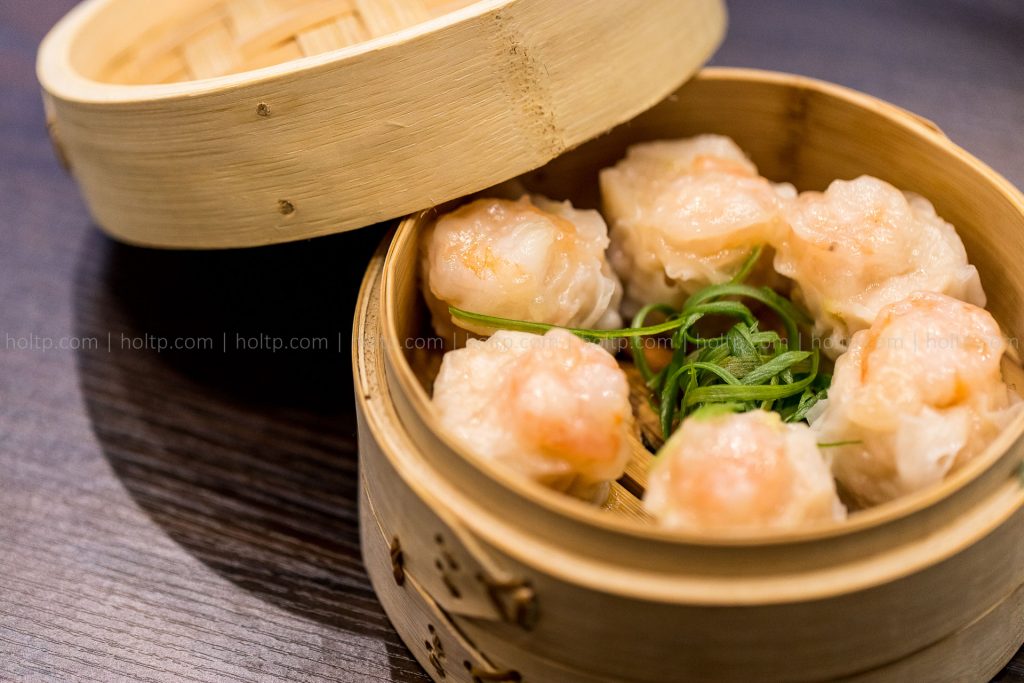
(212, 123)
(209, 39)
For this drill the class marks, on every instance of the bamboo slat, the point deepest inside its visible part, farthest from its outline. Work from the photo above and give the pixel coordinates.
(207, 38)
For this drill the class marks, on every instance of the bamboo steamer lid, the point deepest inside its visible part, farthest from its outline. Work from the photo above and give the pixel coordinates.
(229, 123)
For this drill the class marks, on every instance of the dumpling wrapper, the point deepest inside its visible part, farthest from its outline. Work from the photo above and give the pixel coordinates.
(920, 393)
(687, 213)
(741, 471)
(862, 245)
(531, 259)
(552, 408)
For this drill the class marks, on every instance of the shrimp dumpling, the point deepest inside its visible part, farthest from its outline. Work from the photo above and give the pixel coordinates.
(531, 259)
(553, 408)
(741, 471)
(686, 213)
(863, 244)
(919, 393)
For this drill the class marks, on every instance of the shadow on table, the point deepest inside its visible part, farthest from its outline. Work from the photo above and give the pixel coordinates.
(220, 389)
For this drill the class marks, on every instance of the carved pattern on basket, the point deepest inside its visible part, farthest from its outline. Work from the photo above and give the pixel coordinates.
(209, 38)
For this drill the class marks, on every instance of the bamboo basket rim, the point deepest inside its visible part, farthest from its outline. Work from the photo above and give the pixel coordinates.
(877, 516)
(60, 77)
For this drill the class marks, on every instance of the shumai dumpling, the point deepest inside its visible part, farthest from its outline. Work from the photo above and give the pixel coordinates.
(741, 471)
(554, 408)
(531, 259)
(920, 393)
(861, 245)
(686, 213)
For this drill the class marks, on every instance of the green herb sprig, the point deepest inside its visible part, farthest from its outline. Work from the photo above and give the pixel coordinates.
(744, 369)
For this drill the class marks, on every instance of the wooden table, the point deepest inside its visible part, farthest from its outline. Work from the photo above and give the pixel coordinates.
(189, 515)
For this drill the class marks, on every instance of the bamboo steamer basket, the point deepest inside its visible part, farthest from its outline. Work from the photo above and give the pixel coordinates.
(228, 123)
(487, 577)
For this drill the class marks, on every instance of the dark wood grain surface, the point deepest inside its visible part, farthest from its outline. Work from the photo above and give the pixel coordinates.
(189, 515)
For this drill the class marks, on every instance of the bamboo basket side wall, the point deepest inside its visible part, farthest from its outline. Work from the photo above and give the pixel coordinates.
(975, 653)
